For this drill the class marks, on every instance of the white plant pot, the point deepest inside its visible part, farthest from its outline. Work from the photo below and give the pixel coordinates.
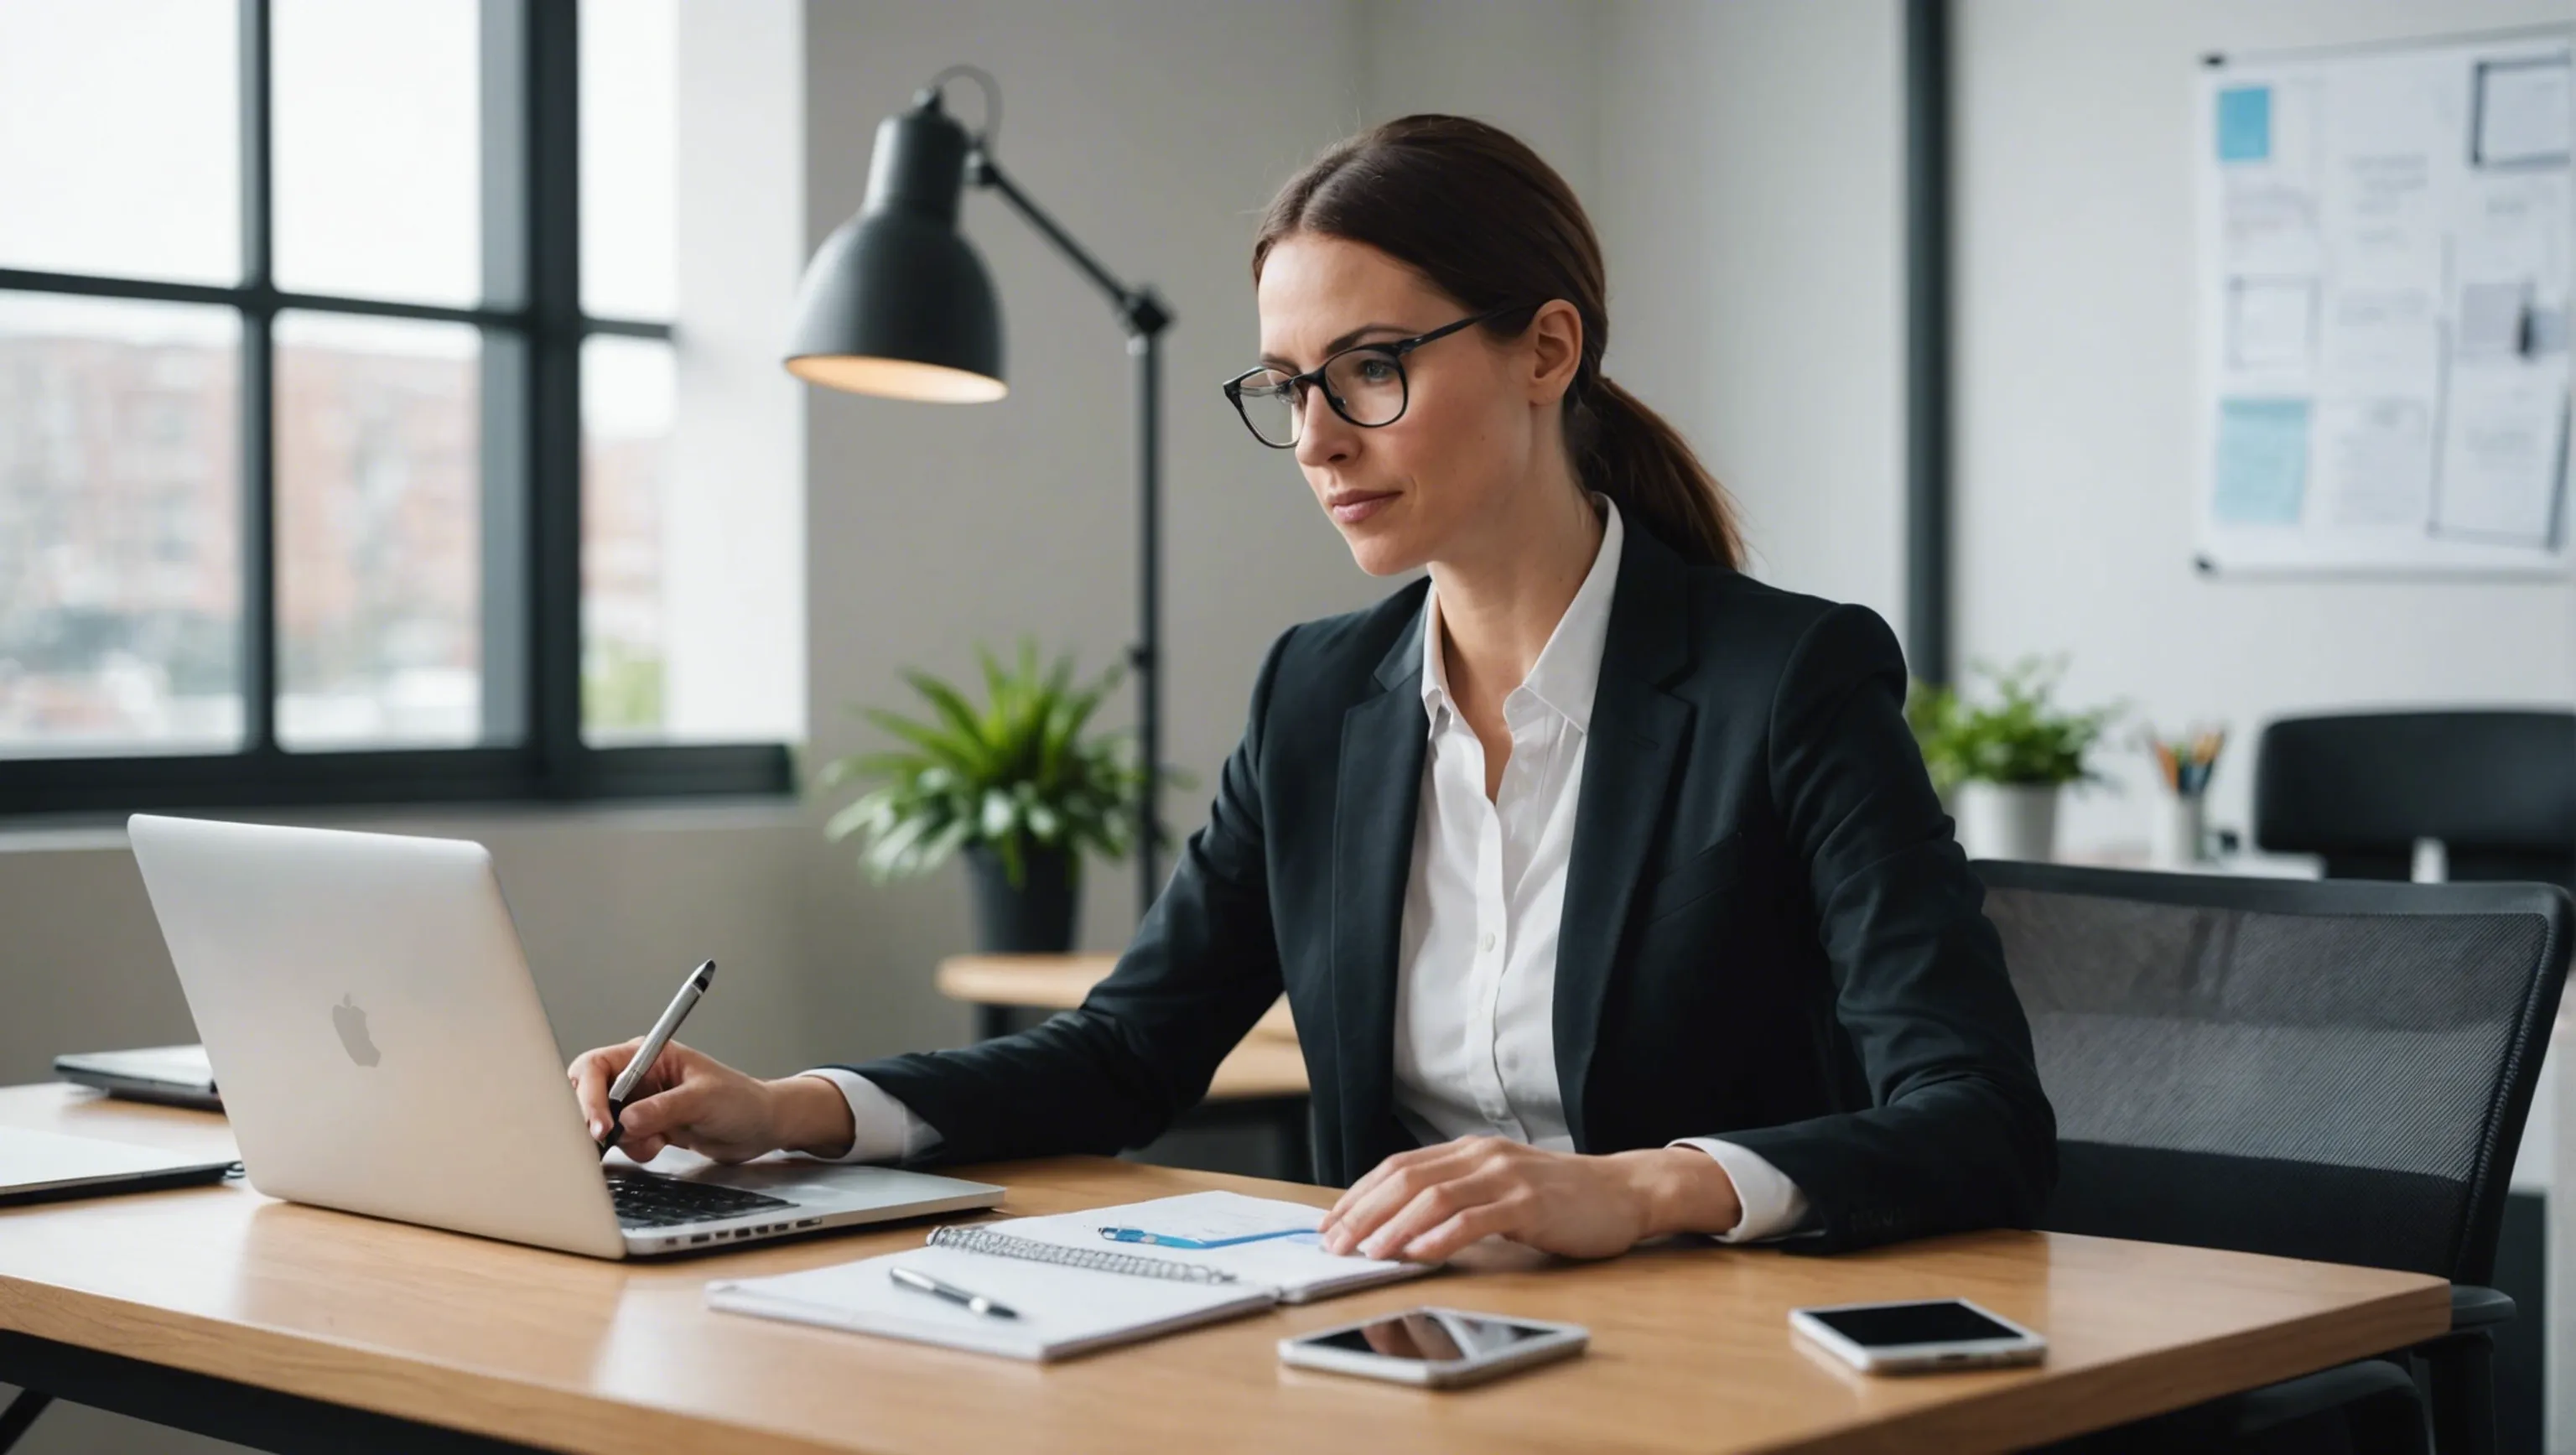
(2008, 820)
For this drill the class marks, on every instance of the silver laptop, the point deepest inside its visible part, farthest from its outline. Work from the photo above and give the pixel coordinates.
(369, 1014)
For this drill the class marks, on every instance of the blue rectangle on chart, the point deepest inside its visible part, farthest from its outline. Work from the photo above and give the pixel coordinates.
(2261, 473)
(2245, 124)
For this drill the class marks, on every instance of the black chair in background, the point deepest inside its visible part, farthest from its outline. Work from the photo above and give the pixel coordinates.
(2498, 788)
(2336, 1071)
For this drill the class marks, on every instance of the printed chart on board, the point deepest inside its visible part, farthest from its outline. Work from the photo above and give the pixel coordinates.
(2385, 271)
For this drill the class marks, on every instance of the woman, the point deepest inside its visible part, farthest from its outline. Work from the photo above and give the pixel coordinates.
(1605, 883)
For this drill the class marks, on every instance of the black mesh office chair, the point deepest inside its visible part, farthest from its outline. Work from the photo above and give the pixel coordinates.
(2323, 1070)
(2498, 788)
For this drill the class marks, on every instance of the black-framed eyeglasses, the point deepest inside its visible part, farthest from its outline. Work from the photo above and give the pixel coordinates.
(1364, 383)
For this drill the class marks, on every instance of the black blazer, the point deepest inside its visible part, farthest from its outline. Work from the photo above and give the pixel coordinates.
(1769, 931)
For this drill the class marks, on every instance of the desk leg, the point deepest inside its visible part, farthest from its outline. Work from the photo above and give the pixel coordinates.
(21, 1413)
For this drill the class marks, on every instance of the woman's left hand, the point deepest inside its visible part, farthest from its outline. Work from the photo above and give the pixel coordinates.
(1428, 1203)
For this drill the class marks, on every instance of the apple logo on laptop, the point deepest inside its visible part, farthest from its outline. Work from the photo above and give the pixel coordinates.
(351, 1023)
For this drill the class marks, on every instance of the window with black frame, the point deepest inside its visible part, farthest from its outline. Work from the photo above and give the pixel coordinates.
(337, 396)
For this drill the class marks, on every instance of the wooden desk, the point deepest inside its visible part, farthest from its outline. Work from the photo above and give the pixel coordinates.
(1690, 1351)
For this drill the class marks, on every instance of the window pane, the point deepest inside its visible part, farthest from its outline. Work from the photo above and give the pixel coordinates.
(377, 126)
(629, 157)
(627, 389)
(119, 138)
(120, 585)
(379, 567)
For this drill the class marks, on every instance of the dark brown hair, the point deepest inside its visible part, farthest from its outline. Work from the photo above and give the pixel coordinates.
(1475, 211)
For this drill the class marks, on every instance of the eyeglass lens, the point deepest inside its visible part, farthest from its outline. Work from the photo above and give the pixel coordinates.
(1367, 388)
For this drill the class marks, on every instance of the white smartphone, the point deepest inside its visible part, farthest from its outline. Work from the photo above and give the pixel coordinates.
(1438, 1347)
(1932, 1333)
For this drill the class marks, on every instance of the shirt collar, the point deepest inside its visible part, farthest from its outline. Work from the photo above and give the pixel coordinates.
(1568, 671)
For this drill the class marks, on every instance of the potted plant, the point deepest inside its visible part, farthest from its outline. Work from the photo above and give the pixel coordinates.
(1015, 784)
(2002, 766)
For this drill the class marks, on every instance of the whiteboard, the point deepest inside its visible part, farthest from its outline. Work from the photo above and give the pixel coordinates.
(2384, 281)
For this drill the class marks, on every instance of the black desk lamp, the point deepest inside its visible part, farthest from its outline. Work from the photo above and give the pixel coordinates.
(896, 303)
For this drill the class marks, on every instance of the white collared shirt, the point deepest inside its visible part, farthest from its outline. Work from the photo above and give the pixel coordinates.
(1475, 1049)
(1475, 1042)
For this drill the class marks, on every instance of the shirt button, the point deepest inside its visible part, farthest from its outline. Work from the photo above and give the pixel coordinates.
(1487, 943)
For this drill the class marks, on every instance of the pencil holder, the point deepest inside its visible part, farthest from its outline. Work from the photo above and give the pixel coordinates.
(2178, 836)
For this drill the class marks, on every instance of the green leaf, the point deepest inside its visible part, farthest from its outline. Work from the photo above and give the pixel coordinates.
(878, 765)
(857, 816)
(1000, 815)
(966, 731)
(2023, 738)
(933, 745)
(886, 856)
(997, 684)
(1020, 769)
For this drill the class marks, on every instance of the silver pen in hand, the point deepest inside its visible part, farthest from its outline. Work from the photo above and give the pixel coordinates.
(646, 1054)
(975, 1303)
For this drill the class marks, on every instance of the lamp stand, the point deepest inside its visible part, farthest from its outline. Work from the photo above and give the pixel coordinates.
(1145, 317)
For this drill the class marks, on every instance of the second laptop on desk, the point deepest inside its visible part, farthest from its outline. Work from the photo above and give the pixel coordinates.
(1050, 1287)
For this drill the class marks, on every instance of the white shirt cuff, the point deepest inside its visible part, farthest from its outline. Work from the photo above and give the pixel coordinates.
(884, 1129)
(1772, 1204)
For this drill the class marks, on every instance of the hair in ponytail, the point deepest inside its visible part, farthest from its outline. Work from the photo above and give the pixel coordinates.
(1490, 223)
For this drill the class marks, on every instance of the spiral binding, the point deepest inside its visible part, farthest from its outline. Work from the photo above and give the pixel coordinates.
(1101, 1260)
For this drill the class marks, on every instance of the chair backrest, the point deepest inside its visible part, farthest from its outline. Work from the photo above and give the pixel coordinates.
(2498, 788)
(2329, 1070)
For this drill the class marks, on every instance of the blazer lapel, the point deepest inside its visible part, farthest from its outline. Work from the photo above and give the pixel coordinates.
(1375, 803)
(1635, 741)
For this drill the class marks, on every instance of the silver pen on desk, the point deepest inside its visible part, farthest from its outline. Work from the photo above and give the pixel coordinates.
(691, 990)
(975, 1303)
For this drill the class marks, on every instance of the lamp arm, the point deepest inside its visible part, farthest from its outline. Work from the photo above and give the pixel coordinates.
(1146, 318)
(1143, 312)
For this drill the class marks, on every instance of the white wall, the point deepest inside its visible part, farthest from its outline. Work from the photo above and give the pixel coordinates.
(1531, 67)
(2075, 462)
(1750, 200)
(1742, 163)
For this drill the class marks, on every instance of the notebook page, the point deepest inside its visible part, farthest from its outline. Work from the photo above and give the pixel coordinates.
(1062, 1311)
(1297, 1267)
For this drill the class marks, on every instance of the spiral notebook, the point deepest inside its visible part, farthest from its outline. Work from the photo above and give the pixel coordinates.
(1073, 1290)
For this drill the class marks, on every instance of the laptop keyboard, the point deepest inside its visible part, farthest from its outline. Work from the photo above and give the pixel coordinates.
(648, 1201)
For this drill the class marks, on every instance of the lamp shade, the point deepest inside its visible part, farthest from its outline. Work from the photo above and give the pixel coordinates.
(896, 302)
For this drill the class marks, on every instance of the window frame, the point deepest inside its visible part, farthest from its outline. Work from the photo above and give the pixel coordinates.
(532, 326)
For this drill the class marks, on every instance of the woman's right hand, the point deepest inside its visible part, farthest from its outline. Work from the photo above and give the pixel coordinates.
(692, 1100)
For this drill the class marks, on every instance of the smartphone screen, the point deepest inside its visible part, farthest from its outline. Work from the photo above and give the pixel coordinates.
(1890, 1325)
(1437, 1338)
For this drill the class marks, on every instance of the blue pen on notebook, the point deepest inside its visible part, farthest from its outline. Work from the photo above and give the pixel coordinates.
(1167, 1240)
